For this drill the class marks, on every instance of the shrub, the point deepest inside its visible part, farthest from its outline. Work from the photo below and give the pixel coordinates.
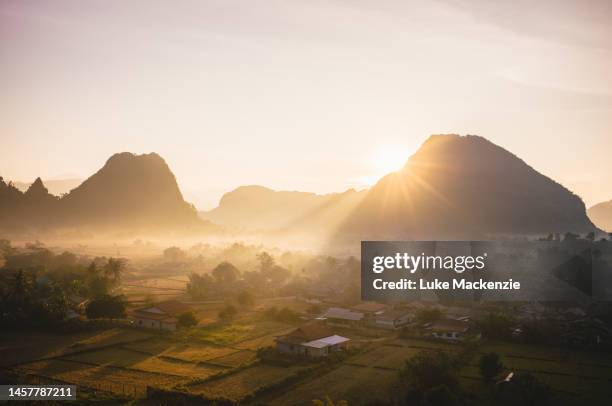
(490, 366)
(187, 319)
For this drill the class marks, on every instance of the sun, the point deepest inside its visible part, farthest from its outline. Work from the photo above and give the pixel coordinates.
(389, 158)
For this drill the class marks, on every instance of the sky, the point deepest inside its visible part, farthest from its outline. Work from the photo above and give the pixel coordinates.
(311, 95)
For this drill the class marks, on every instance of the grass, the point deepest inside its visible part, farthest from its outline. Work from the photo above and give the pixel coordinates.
(24, 346)
(260, 342)
(239, 385)
(357, 385)
(110, 356)
(385, 357)
(239, 331)
(125, 358)
(235, 359)
(198, 352)
(573, 375)
(102, 377)
(111, 337)
(167, 366)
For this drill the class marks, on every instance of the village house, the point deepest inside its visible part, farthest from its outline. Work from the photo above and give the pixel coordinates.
(311, 340)
(369, 309)
(341, 317)
(160, 316)
(449, 329)
(392, 319)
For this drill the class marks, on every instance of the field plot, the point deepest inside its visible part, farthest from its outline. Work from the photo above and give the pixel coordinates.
(235, 359)
(260, 342)
(194, 352)
(121, 357)
(239, 331)
(19, 347)
(207, 313)
(109, 357)
(116, 380)
(390, 357)
(198, 352)
(242, 383)
(173, 367)
(424, 344)
(357, 385)
(579, 375)
(111, 337)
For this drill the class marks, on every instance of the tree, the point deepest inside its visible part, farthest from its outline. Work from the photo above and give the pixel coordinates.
(490, 366)
(187, 320)
(225, 273)
(496, 326)
(200, 286)
(228, 313)
(174, 254)
(439, 396)
(113, 269)
(246, 299)
(266, 261)
(107, 306)
(427, 370)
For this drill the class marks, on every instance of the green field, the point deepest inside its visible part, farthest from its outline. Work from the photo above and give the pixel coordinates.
(574, 376)
(239, 385)
(355, 384)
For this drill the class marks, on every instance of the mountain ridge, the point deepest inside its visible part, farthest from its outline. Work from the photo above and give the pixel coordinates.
(130, 192)
(465, 187)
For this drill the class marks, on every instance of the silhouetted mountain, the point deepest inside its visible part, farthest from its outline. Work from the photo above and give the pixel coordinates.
(35, 206)
(56, 187)
(130, 193)
(601, 215)
(134, 190)
(259, 208)
(457, 187)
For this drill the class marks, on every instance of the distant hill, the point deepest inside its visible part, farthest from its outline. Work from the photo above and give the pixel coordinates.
(260, 208)
(601, 215)
(464, 187)
(129, 193)
(55, 187)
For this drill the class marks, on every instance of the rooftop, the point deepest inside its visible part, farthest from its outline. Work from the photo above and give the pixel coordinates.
(343, 314)
(306, 333)
(369, 307)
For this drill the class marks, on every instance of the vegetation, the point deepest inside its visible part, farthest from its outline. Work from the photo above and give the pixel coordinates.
(246, 299)
(284, 315)
(497, 326)
(107, 307)
(187, 320)
(525, 389)
(427, 370)
(228, 313)
(490, 366)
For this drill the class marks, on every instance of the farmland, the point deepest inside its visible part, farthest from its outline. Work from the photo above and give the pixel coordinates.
(573, 375)
(218, 360)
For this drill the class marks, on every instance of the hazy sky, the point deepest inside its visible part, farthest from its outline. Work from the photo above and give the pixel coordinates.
(307, 95)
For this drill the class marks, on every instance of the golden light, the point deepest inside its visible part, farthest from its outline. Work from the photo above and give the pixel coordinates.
(386, 159)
